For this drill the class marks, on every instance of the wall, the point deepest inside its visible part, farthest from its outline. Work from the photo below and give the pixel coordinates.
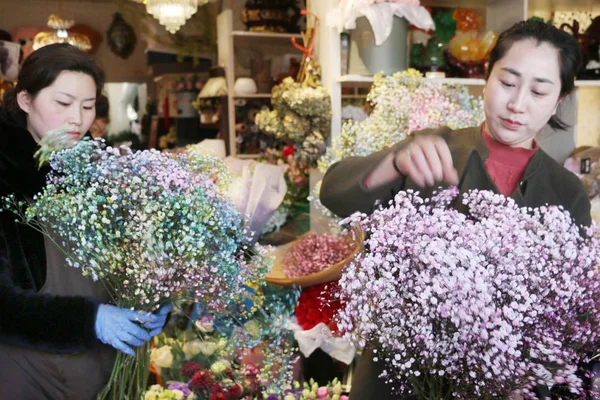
(588, 104)
(97, 15)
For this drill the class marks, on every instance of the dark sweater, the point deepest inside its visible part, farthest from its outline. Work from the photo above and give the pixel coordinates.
(28, 318)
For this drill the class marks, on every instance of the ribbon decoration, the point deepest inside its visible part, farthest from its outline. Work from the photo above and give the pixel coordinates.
(308, 37)
(321, 337)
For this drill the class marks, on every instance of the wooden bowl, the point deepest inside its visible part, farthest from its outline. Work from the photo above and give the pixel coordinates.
(277, 275)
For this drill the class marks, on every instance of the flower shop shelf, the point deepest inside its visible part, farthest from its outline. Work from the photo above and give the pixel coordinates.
(253, 96)
(264, 38)
(236, 48)
(361, 79)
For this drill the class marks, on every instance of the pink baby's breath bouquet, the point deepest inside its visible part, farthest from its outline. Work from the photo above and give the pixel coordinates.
(314, 253)
(473, 306)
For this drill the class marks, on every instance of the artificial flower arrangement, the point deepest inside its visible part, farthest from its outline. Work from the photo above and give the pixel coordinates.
(236, 355)
(478, 305)
(153, 227)
(301, 112)
(301, 116)
(187, 83)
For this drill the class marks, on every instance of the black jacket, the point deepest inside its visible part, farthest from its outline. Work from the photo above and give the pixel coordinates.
(28, 318)
(544, 182)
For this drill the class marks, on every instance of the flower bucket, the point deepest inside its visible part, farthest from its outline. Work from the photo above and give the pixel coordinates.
(366, 58)
(277, 275)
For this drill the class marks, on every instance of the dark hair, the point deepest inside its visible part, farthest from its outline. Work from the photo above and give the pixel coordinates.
(7, 37)
(41, 69)
(102, 107)
(569, 53)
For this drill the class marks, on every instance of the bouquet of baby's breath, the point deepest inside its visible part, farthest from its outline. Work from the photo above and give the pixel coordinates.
(473, 306)
(404, 103)
(153, 227)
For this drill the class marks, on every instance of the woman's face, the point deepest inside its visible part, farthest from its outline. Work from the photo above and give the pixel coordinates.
(69, 103)
(522, 93)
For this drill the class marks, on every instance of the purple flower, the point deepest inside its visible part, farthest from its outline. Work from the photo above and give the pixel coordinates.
(479, 302)
(183, 387)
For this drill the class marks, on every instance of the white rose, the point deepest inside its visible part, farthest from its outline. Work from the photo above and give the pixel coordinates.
(192, 349)
(177, 394)
(153, 392)
(162, 357)
(208, 348)
(192, 396)
(205, 326)
(220, 366)
(252, 327)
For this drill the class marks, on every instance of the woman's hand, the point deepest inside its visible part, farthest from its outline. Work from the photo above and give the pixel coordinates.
(427, 161)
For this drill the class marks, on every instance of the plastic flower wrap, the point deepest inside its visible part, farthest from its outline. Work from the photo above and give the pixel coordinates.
(296, 178)
(403, 103)
(473, 306)
(153, 227)
(257, 190)
(301, 115)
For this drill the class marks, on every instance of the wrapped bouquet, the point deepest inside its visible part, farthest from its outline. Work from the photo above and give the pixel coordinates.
(474, 306)
(153, 227)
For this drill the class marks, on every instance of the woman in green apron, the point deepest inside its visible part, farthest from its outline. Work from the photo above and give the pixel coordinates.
(58, 334)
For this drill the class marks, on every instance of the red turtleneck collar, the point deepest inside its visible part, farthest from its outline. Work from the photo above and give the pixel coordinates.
(506, 164)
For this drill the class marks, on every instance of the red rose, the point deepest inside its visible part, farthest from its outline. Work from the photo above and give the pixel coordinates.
(234, 391)
(289, 151)
(318, 304)
(201, 380)
(189, 369)
(217, 396)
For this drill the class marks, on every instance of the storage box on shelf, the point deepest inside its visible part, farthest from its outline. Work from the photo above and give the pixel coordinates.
(580, 110)
(230, 38)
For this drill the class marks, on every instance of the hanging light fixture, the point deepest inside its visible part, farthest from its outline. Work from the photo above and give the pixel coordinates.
(172, 13)
(61, 34)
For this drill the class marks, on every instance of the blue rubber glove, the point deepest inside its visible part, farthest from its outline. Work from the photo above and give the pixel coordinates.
(157, 325)
(118, 327)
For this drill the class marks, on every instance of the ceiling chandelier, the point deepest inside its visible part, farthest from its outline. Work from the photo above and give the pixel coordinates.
(172, 13)
(61, 34)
